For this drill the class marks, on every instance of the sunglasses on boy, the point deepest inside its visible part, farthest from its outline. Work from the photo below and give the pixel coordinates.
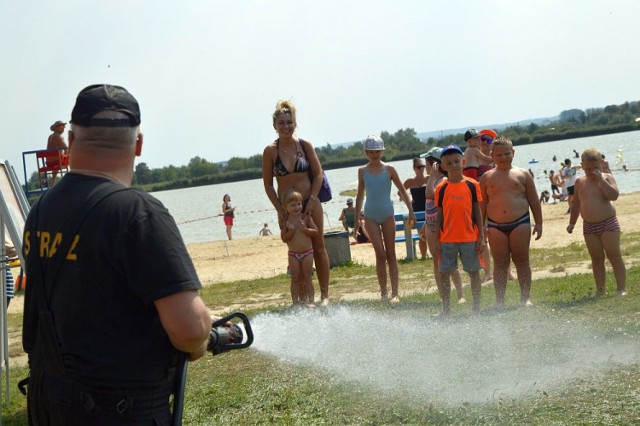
(487, 139)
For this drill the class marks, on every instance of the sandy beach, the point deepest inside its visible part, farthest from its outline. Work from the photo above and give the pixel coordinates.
(259, 257)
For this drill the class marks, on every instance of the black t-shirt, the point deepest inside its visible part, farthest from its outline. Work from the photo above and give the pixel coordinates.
(128, 254)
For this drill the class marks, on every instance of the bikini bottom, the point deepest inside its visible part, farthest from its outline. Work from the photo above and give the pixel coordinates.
(506, 228)
(300, 255)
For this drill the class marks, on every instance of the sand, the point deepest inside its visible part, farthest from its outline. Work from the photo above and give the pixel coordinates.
(259, 257)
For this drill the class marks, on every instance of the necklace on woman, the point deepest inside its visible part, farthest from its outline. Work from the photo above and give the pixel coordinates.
(298, 152)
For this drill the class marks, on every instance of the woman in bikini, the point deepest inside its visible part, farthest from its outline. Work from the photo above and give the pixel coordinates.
(294, 165)
(297, 233)
(416, 186)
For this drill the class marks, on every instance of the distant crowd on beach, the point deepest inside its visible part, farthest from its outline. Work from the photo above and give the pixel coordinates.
(478, 210)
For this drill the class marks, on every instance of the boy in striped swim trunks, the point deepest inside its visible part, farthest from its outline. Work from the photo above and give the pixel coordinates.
(592, 199)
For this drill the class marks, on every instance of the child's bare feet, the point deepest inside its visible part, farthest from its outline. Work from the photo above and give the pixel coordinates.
(527, 303)
(325, 302)
(461, 300)
(394, 300)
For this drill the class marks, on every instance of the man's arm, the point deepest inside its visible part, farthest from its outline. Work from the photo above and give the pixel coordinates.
(187, 321)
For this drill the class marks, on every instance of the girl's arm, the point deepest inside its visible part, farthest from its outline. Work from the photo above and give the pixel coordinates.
(439, 220)
(393, 174)
(309, 227)
(287, 232)
(359, 198)
(431, 182)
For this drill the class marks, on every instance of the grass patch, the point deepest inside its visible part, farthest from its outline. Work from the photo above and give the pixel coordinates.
(250, 387)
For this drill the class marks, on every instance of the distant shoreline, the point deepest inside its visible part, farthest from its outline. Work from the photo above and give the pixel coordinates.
(256, 173)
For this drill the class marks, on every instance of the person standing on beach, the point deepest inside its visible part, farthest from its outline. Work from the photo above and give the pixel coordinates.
(486, 139)
(294, 164)
(508, 193)
(417, 187)
(375, 179)
(593, 196)
(228, 213)
(473, 157)
(459, 228)
(297, 233)
(569, 177)
(554, 183)
(112, 294)
(437, 175)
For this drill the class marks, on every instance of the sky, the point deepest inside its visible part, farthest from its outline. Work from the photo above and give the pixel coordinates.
(208, 73)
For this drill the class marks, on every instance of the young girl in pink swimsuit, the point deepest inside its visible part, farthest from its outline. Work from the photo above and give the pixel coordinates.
(297, 233)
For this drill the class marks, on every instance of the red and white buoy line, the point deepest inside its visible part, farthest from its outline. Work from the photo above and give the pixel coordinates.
(237, 213)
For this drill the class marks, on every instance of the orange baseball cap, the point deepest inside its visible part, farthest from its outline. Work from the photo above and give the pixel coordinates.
(489, 133)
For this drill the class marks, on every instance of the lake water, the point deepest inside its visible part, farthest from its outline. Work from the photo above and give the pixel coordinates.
(196, 209)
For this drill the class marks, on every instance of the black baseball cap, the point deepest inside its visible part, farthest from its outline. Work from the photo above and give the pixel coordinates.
(105, 97)
(471, 133)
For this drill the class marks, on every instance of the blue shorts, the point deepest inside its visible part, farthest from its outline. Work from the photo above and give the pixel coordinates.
(468, 255)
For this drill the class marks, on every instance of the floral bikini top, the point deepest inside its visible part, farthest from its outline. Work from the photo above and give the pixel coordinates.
(301, 165)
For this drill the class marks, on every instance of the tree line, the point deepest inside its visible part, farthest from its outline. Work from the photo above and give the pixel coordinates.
(401, 145)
